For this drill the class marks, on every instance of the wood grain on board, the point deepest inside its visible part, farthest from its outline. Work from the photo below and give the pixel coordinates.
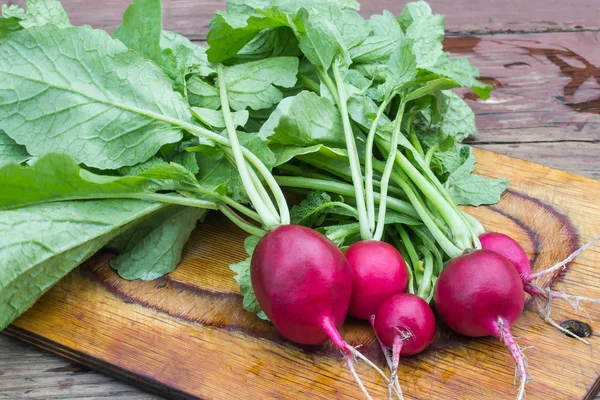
(191, 17)
(187, 335)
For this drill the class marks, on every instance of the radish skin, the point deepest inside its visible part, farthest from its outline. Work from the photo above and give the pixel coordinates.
(509, 248)
(481, 294)
(379, 272)
(303, 283)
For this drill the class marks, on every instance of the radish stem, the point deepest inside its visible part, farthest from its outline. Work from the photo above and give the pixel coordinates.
(240, 223)
(369, 162)
(343, 189)
(427, 274)
(446, 244)
(387, 172)
(256, 182)
(225, 200)
(353, 157)
(269, 219)
(222, 140)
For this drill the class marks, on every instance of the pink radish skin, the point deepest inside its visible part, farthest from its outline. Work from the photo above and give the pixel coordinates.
(405, 324)
(512, 250)
(481, 294)
(303, 283)
(509, 248)
(379, 271)
(407, 315)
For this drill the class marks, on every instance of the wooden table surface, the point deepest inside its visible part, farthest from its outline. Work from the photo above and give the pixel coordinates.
(543, 56)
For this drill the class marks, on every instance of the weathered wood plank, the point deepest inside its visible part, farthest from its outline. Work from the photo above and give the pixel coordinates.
(191, 17)
(546, 105)
(27, 372)
(547, 86)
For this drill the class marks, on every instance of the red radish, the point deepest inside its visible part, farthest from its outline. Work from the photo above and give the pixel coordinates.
(542, 297)
(405, 324)
(303, 283)
(481, 294)
(509, 248)
(379, 271)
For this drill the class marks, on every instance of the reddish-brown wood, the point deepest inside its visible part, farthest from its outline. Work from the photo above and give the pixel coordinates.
(191, 17)
(547, 85)
(547, 93)
(187, 335)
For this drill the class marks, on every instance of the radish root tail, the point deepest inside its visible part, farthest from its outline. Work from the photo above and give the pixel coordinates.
(350, 363)
(517, 354)
(395, 361)
(544, 311)
(358, 354)
(351, 354)
(388, 359)
(561, 265)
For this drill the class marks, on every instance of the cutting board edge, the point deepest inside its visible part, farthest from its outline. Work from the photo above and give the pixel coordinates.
(580, 178)
(594, 391)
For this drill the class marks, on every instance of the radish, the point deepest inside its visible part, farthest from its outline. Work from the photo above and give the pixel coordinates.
(303, 283)
(542, 297)
(379, 272)
(404, 323)
(481, 294)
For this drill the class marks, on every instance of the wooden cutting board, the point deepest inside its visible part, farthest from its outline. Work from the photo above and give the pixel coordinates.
(187, 336)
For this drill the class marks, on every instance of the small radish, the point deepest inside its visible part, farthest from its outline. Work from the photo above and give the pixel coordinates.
(303, 283)
(404, 323)
(542, 297)
(481, 294)
(509, 248)
(379, 272)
